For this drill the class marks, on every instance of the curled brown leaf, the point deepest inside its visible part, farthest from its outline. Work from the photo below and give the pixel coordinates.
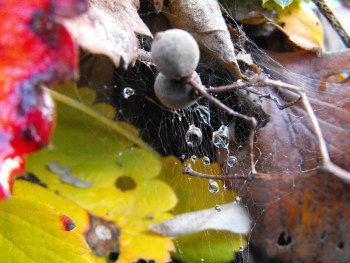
(109, 28)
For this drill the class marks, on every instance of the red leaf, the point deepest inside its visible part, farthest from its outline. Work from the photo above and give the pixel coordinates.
(34, 49)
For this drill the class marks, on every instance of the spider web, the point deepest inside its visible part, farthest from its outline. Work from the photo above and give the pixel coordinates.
(131, 93)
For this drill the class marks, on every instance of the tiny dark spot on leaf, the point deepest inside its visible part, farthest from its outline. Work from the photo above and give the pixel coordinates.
(324, 236)
(284, 239)
(340, 245)
(120, 163)
(70, 226)
(113, 256)
(150, 217)
(125, 183)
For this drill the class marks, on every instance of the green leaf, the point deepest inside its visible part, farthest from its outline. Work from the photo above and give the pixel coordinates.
(121, 166)
(34, 232)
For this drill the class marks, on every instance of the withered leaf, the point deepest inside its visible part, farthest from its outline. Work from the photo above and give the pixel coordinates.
(311, 65)
(109, 28)
(297, 217)
(203, 19)
(229, 217)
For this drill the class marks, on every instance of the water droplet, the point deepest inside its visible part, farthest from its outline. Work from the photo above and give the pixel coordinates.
(120, 153)
(237, 199)
(231, 161)
(221, 137)
(183, 157)
(259, 100)
(213, 186)
(206, 160)
(218, 208)
(128, 92)
(241, 248)
(202, 260)
(204, 113)
(193, 158)
(193, 136)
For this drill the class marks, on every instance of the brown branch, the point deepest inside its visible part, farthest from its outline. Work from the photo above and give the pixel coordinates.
(327, 164)
(262, 176)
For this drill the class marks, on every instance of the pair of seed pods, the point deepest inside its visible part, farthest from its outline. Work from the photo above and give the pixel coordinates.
(176, 55)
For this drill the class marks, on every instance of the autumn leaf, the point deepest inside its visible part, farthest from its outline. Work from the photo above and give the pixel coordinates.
(301, 25)
(311, 65)
(194, 195)
(23, 189)
(33, 232)
(123, 170)
(287, 146)
(109, 28)
(35, 49)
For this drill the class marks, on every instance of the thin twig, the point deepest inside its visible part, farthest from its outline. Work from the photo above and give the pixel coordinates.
(261, 176)
(202, 90)
(328, 14)
(327, 164)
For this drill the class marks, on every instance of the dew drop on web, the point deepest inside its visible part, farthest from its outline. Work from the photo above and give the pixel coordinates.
(183, 157)
(128, 92)
(231, 161)
(237, 199)
(204, 113)
(193, 136)
(213, 186)
(218, 208)
(206, 160)
(221, 137)
(193, 158)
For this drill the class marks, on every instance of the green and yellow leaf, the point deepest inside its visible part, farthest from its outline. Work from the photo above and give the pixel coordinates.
(123, 170)
(31, 231)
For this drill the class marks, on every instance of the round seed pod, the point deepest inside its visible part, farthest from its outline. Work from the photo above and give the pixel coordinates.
(175, 53)
(173, 93)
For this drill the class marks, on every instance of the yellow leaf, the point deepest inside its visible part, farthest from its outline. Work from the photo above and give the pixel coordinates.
(36, 193)
(33, 232)
(193, 195)
(302, 26)
(123, 170)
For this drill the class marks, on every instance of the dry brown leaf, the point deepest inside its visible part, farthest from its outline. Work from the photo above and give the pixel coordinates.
(203, 19)
(311, 65)
(309, 213)
(109, 28)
